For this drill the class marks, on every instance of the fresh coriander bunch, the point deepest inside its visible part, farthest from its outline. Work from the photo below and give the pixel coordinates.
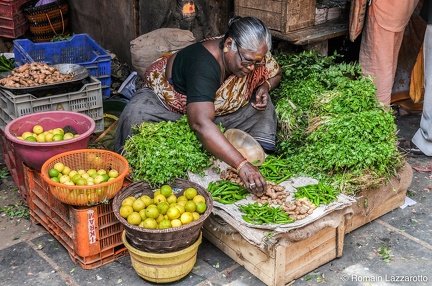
(161, 152)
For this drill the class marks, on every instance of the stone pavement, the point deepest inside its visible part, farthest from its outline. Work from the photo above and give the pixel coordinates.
(397, 245)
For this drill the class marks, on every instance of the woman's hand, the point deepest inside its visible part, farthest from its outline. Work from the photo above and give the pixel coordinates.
(261, 97)
(253, 179)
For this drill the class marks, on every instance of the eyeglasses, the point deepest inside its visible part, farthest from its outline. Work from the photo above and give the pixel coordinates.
(247, 64)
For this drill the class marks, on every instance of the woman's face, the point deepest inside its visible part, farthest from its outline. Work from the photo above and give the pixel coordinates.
(242, 62)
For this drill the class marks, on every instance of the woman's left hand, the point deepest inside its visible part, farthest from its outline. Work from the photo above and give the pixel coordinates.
(261, 97)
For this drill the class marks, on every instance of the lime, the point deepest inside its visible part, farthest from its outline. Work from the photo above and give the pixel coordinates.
(31, 138)
(152, 211)
(165, 224)
(142, 214)
(190, 193)
(163, 207)
(106, 177)
(201, 207)
(166, 190)
(190, 206)
(55, 179)
(53, 173)
(57, 137)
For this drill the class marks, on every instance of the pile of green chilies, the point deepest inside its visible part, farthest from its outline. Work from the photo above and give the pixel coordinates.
(318, 193)
(275, 169)
(227, 192)
(259, 214)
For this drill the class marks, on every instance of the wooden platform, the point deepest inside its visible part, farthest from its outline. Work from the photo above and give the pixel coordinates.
(305, 249)
(291, 258)
(317, 33)
(374, 203)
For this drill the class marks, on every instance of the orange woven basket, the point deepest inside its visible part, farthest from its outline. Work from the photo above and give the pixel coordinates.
(85, 159)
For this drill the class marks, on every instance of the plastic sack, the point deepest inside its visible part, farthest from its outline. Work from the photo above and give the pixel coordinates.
(43, 2)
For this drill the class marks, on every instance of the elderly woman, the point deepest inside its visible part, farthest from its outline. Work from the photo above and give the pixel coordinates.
(222, 80)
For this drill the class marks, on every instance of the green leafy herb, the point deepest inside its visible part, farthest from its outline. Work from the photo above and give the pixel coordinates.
(161, 152)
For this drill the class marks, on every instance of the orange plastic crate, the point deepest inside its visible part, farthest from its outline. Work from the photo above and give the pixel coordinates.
(91, 235)
(14, 165)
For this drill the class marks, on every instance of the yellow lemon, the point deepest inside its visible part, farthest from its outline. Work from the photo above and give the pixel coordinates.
(134, 218)
(159, 198)
(199, 198)
(176, 223)
(190, 193)
(125, 211)
(173, 213)
(138, 205)
(150, 223)
(186, 218)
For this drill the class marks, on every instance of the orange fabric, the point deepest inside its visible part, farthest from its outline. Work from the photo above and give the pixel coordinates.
(381, 41)
(393, 15)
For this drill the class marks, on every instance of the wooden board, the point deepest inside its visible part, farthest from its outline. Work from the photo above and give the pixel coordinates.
(374, 203)
(287, 260)
(317, 33)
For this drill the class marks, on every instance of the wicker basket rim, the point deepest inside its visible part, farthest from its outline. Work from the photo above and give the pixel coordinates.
(50, 182)
(126, 191)
(167, 254)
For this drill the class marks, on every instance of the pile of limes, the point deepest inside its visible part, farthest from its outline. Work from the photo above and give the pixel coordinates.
(164, 209)
(38, 134)
(65, 175)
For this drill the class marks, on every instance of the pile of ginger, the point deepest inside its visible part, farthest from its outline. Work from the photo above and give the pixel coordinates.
(34, 74)
(275, 194)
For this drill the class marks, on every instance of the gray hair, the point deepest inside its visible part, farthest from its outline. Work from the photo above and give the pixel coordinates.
(248, 33)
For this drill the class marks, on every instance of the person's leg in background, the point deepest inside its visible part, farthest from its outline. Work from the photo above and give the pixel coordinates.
(378, 56)
(423, 137)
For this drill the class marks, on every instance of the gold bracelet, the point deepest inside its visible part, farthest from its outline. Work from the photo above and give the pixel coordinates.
(244, 162)
(270, 87)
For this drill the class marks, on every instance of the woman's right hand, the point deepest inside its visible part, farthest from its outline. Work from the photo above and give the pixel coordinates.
(253, 179)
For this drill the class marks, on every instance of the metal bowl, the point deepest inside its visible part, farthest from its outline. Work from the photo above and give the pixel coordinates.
(80, 72)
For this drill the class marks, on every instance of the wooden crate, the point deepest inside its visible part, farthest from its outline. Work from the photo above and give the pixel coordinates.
(279, 15)
(376, 202)
(294, 255)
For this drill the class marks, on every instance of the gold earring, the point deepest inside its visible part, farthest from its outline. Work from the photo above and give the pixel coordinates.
(225, 49)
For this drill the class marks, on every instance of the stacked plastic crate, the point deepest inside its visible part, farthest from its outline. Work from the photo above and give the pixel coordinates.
(79, 49)
(91, 235)
(12, 21)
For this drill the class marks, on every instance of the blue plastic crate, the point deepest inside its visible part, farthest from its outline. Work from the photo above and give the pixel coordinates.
(79, 49)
